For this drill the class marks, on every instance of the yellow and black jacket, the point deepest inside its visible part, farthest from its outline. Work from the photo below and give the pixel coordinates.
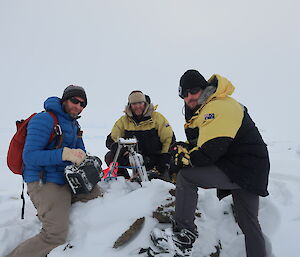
(153, 132)
(221, 132)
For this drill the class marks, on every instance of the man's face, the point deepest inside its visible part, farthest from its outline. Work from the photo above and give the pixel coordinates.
(191, 99)
(138, 108)
(74, 106)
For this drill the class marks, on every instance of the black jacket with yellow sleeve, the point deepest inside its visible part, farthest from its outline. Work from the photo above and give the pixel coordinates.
(221, 132)
(153, 132)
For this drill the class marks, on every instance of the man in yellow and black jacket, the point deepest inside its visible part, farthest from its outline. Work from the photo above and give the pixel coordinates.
(224, 150)
(152, 130)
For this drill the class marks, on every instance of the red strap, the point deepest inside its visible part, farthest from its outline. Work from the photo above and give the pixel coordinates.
(54, 118)
(52, 136)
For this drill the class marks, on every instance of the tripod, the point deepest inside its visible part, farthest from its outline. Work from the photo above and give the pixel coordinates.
(136, 160)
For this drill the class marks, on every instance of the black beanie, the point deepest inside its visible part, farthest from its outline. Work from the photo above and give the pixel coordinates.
(192, 79)
(73, 90)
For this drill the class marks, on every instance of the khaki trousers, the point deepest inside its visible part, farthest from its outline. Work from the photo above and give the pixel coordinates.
(53, 204)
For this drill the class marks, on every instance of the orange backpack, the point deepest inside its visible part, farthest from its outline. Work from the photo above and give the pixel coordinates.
(16, 146)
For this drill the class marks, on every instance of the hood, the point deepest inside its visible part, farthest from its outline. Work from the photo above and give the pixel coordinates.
(224, 86)
(53, 104)
(150, 108)
(219, 87)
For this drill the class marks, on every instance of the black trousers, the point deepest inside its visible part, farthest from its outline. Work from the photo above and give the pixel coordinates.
(245, 204)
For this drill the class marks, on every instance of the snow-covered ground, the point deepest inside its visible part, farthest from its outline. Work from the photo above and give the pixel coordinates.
(114, 47)
(97, 224)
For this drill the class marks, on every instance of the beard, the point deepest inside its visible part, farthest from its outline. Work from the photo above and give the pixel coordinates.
(74, 115)
(192, 104)
(71, 111)
(138, 113)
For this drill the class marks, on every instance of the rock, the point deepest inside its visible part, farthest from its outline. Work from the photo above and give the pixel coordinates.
(130, 233)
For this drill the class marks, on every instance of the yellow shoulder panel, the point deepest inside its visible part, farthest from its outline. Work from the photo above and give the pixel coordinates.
(118, 129)
(165, 131)
(219, 118)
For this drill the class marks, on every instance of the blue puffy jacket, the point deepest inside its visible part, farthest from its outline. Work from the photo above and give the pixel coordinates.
(40, 157)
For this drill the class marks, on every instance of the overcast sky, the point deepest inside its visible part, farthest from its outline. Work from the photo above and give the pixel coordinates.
(114, 47)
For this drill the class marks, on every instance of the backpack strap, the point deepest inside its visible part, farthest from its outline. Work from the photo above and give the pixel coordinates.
(23, 200)
(57, 131)
(79, 131)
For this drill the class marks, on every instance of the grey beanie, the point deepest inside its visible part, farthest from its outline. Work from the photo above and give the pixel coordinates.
(72, 90)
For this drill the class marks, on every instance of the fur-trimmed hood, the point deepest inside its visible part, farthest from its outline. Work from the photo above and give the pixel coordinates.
(149, 109)
(218, 87)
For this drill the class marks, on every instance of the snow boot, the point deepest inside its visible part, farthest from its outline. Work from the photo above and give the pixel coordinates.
(179, 242)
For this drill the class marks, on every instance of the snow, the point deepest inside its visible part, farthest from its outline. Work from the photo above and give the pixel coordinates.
(114, 47)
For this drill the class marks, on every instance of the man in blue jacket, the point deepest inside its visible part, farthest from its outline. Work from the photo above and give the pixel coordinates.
(44, 170)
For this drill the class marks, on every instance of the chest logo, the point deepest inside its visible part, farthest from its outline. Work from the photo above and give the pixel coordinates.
(209, 116)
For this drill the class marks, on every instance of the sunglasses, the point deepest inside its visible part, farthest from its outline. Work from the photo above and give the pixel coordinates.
(76, 101)
(192, 91)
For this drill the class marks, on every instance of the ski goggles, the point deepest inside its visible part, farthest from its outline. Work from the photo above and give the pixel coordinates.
(76, 101)
(184, 93)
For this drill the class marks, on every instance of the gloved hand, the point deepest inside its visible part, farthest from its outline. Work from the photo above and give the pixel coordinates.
(123, 150)
(76, 156)
(180, 153)
(164, 162)
(182, 157)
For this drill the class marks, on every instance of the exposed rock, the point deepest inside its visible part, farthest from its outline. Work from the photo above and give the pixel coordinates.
(130, 233)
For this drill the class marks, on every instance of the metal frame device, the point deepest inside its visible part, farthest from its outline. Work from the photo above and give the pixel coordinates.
(136, 160)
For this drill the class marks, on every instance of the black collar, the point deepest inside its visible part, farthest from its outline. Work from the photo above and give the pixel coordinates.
(139, 119)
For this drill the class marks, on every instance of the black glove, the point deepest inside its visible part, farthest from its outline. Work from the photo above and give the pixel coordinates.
(161, 167)
(123, 154)
(164, 162)
(148, 163)
(180, 143)
(180, 154)
(114, 148)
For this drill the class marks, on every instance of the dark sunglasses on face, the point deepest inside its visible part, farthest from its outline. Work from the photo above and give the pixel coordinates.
(76, 101)
(185, 93)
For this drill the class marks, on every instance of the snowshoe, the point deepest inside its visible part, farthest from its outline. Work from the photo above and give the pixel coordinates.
(179, 243)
